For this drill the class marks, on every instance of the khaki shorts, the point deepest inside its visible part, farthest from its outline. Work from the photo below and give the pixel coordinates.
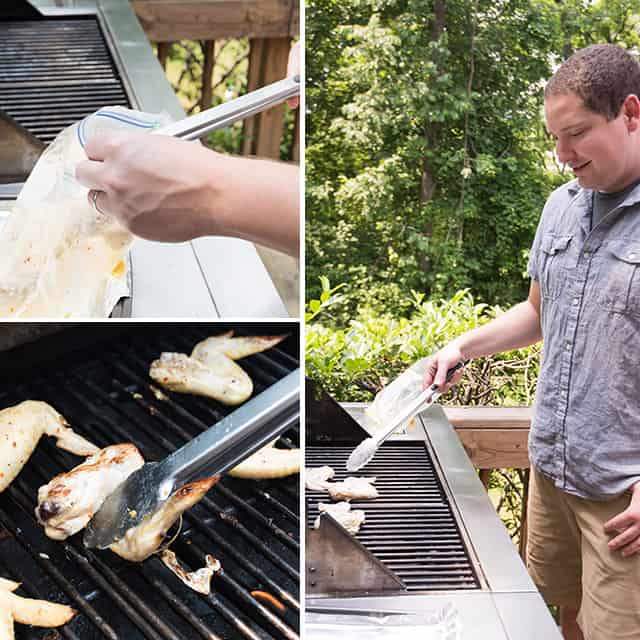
(568, 559)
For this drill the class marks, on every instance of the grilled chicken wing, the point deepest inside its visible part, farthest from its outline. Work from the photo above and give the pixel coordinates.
(353, 489)
(210, 370)
(68, 502)
(234, 348)
(341, 511)
(39, 613)
(316, 478)
(21, 428)
(140, 542)
(222, 380)
(268, 463)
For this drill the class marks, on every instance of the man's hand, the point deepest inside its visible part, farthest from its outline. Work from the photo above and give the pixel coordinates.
(439, 364)
(627, 525)
(159, 187)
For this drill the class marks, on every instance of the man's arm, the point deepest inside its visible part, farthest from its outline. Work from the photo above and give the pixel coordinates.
(517, 327)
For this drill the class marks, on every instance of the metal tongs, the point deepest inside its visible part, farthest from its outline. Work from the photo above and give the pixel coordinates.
(368, 448)
(223, 115)
(217, 449)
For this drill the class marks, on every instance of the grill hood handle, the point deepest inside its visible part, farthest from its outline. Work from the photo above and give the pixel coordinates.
(219, 448)
(223, 115)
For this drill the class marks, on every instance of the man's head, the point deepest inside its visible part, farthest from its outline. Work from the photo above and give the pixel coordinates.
(593, 112)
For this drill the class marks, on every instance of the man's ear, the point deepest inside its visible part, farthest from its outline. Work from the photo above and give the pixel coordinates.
(631, 111)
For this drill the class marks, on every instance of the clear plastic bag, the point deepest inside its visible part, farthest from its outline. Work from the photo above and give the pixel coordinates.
(58, 256)
(389, 402)
(443, 624)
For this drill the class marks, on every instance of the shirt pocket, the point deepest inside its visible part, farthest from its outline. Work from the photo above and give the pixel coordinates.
(621, 281)
(555, 262)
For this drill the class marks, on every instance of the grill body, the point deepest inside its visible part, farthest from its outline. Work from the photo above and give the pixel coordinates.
(96, 376)
(433, 526)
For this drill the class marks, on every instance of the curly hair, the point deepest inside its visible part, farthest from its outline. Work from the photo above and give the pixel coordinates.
(602, 75)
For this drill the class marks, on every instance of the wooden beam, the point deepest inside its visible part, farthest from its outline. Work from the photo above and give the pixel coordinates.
(493, 437)
(171, 20)
(267, 63)
(163, 54)
(207, 74)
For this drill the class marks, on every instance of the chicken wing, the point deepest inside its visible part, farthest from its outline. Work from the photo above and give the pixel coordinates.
(341, 511)
(210, 370)
(222, 379)
(39, 613)
(138, 543)
(268, 463)
(316, 478)
(68, 502)
(234, 348)
(21, 428)
(353, 489)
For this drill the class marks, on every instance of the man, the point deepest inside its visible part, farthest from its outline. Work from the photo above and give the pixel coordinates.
(584, 300)
(171, 190)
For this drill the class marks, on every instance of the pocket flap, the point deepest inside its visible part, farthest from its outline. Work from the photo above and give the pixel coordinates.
(552, 243)
(626, 251)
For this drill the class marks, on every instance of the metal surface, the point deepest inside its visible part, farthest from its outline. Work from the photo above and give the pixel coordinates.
(219, 448)
(204, 278)
(200, 124)
(357, 569)
(100, 384)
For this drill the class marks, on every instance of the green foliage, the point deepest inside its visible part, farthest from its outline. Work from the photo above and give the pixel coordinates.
(355, 362)
(427, 162)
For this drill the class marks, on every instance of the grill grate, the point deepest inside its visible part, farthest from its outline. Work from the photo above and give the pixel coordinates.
(410, 527)
(251, 527)
(54, 72)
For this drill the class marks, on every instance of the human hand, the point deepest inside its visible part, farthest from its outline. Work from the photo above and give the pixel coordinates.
(439, 364)
(293, 69)
(160, 188)
(627, 525)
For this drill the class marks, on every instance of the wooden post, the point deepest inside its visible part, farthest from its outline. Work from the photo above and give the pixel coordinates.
(163, 53)
(295, 152)
(485, 474)
(267, 63)
(523, 517)
(207, 74)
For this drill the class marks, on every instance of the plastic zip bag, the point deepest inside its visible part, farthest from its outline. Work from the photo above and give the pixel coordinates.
(396, 396)
(58, 256)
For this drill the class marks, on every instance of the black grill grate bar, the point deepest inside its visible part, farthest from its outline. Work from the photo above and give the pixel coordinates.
(410, 527)
(180, 607)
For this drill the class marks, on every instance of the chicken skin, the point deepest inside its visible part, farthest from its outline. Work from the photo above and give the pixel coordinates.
(21, 428)
(69, 501)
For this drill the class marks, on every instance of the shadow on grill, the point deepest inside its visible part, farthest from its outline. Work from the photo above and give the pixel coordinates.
(252, 528)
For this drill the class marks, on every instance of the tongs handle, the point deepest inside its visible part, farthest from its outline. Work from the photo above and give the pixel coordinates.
(238, 435)
(223, 115)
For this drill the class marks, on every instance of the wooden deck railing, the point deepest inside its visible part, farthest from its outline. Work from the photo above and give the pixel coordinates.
(496, 438)
(270, 26)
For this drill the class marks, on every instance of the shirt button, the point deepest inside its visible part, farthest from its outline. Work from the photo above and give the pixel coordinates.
(632, 256)
(576, 302)
(568, 346)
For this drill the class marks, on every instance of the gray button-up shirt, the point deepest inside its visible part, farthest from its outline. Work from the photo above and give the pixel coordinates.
(585, 433)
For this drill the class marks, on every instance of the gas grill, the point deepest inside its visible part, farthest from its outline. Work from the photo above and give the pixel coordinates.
(431, 541)
(60, 60)
(96, 376)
